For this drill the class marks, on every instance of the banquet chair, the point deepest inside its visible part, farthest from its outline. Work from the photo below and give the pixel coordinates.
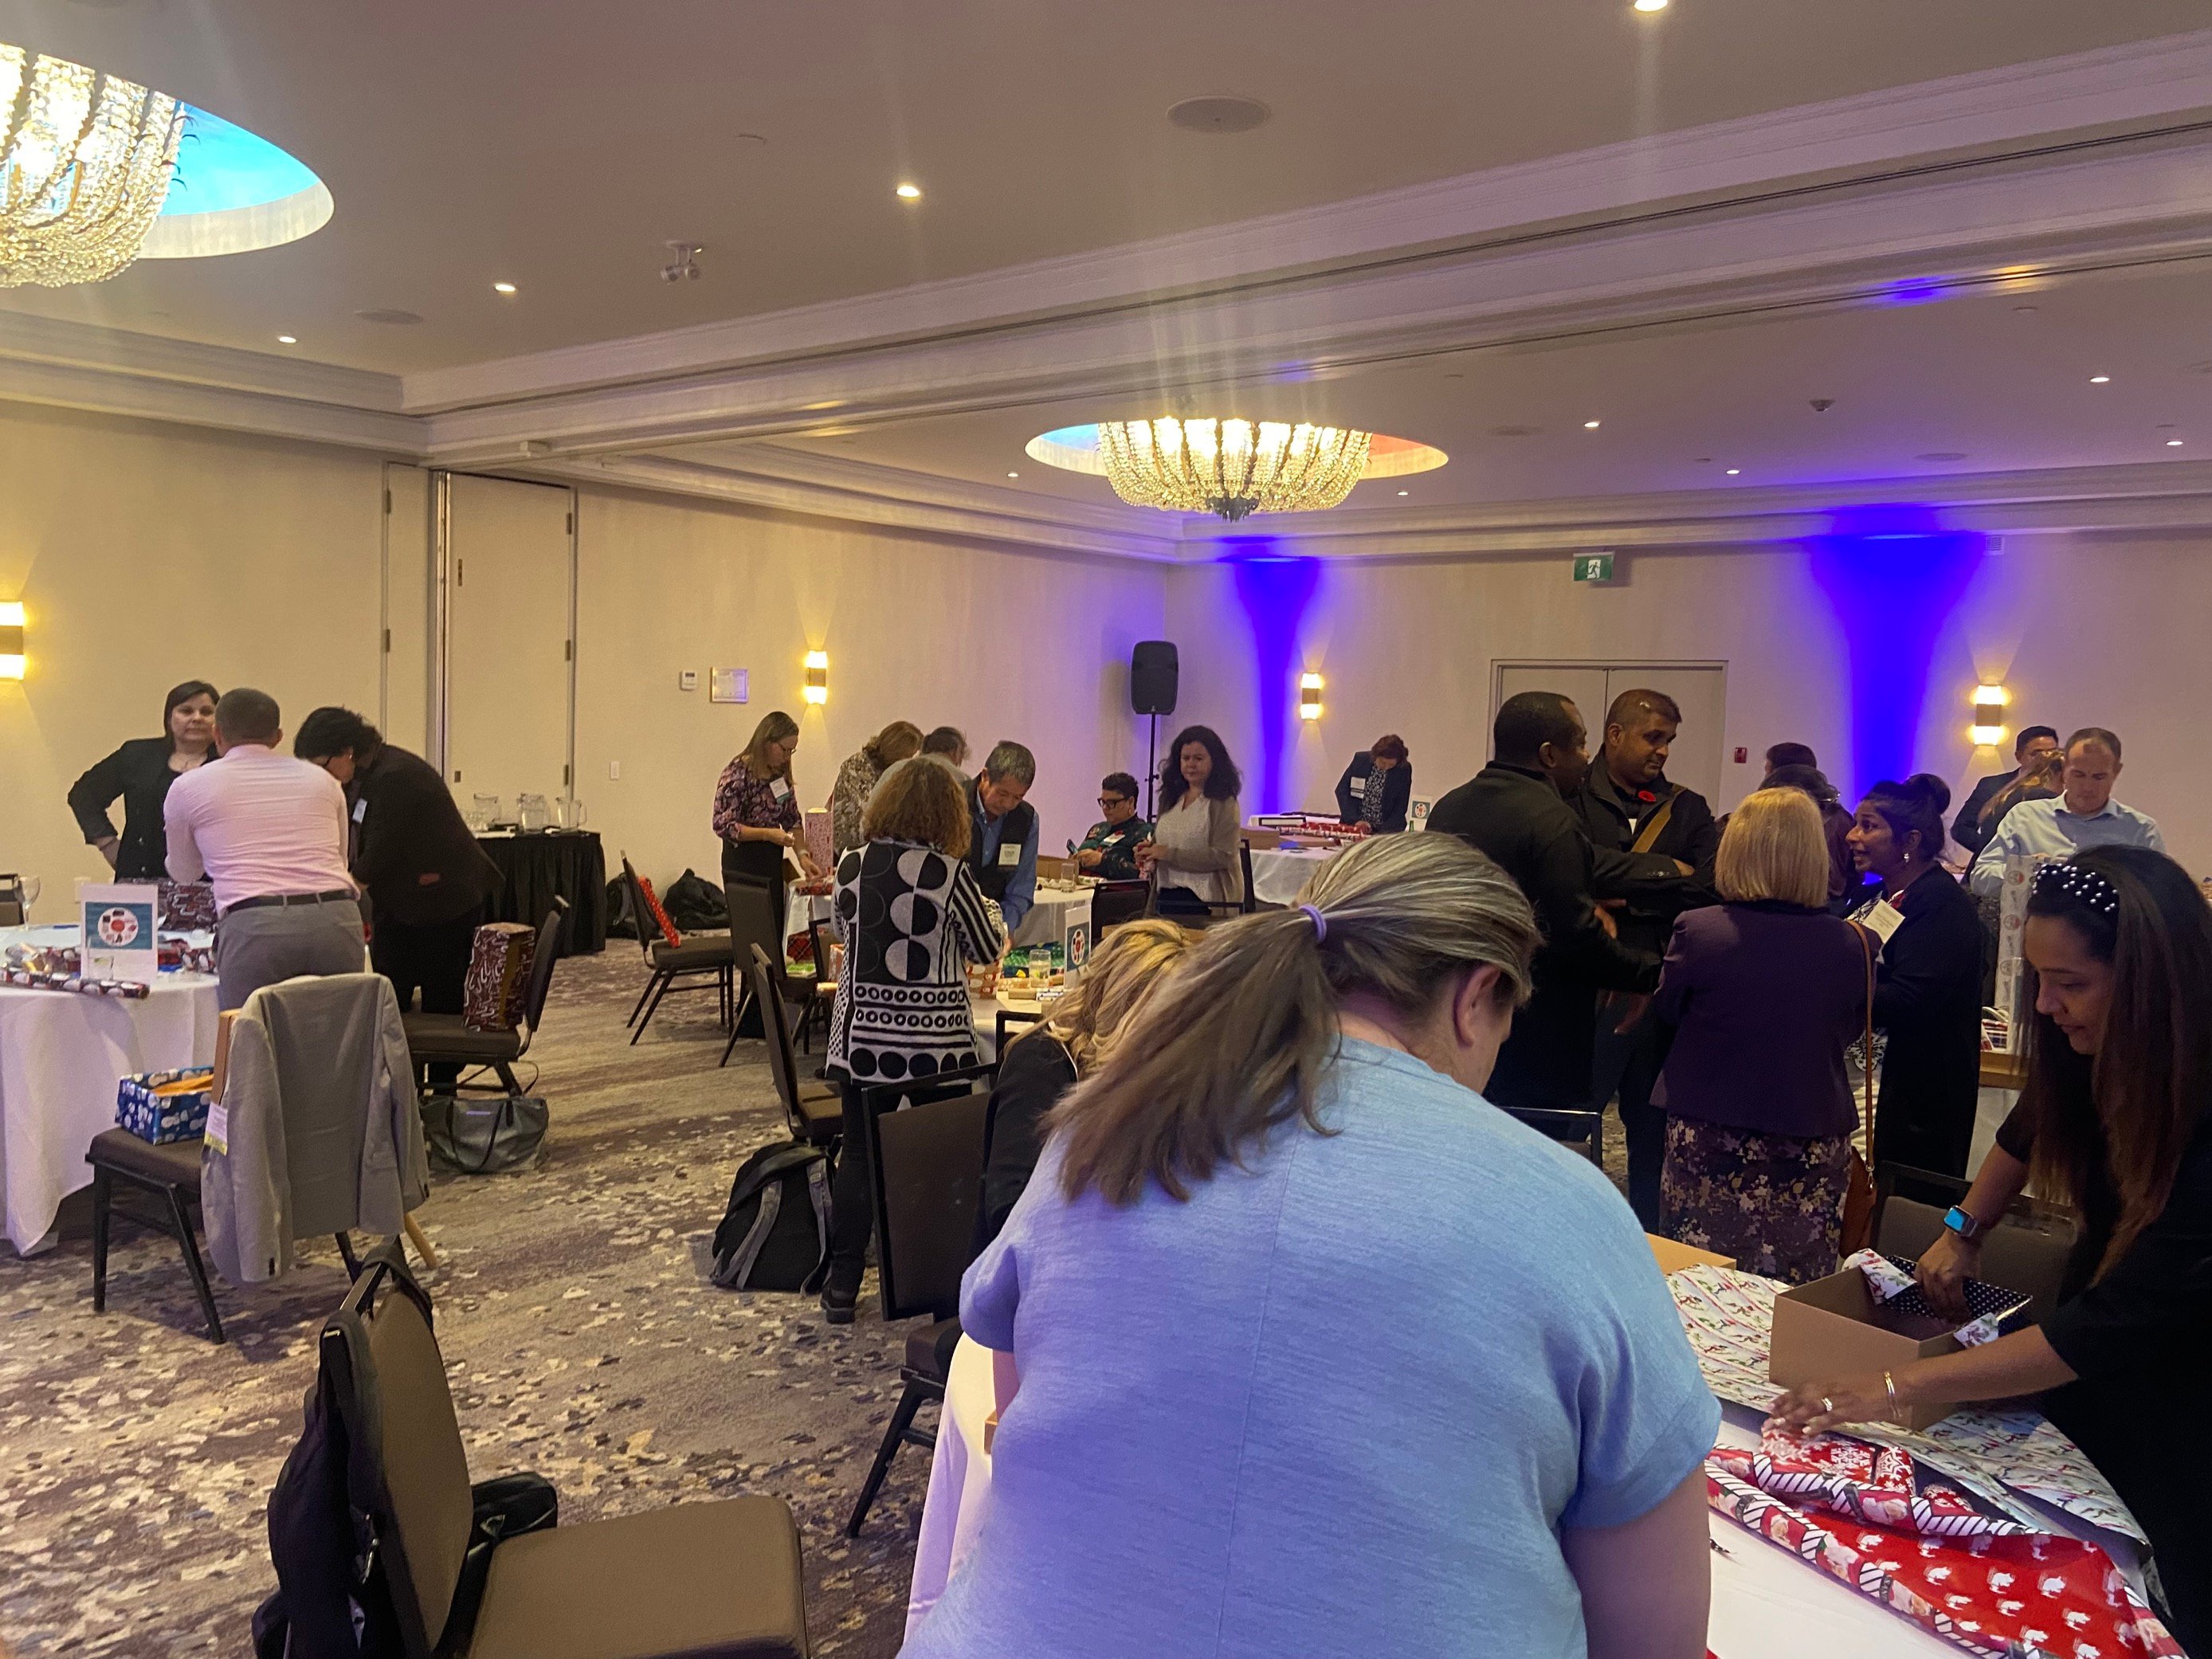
(926, 1186)
(1222, 909)
(754, 924)
(2026, 1251)
(449, 1038)
(814, 1110)
(171, 1172)
(1005, 1019)
(1113, 903)
(712, 1580)
(703, 962)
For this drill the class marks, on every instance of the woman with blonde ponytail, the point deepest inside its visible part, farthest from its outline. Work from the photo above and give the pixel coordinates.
(1319, 1353)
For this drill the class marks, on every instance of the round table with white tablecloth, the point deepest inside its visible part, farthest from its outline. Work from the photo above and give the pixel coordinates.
(1279, 873)
(61, 1055)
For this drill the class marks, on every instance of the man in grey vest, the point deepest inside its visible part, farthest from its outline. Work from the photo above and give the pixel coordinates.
(1002, 842)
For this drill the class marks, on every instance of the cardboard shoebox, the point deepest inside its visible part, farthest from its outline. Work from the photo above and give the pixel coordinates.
(162, 1107)
(1834, 1328)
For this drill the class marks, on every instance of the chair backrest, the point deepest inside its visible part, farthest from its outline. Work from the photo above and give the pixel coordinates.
(1251, 900)
(552, 935)
(753, 921)
(926, 1159)
(1004, 1020)
(648, 930)
(2026, 1251)
(406, 1442)
(780, 1063)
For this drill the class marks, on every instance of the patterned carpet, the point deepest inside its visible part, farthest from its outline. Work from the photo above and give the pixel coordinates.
(581, 1335)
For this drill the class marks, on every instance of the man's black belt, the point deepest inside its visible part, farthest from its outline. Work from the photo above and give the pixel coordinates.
(336, 895)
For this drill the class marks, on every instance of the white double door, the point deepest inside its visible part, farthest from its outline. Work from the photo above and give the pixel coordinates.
(1700, 688)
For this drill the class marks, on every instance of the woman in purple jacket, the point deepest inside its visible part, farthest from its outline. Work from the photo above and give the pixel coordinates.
(1766, 991)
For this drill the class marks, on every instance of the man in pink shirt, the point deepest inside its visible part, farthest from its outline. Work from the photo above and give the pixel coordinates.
(269, 832)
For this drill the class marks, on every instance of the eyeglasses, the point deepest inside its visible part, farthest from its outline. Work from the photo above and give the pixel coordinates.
(1109, 802)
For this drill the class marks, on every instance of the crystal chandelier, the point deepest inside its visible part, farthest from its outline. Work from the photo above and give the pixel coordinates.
(85, 164)
(1230, 468)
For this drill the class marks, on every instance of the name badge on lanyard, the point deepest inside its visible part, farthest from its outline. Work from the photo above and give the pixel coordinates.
(361, 810)
(1009, 854)
(780, 789)
(1883, 918)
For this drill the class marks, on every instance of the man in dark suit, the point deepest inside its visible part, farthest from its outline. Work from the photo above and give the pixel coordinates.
(426, 878)
(2033, 743)
(1514, 809)
(1656, 842)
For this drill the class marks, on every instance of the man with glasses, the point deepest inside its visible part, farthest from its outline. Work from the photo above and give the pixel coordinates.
(1109, 850)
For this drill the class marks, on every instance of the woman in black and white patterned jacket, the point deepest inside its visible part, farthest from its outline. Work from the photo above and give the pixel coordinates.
(911, 918)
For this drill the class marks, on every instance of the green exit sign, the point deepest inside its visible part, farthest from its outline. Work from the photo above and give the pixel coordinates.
(1593, 568)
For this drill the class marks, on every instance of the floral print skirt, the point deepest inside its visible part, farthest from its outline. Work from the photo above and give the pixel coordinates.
(1773, 1202)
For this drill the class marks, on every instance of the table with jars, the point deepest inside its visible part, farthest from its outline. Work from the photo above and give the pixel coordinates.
(543, 852)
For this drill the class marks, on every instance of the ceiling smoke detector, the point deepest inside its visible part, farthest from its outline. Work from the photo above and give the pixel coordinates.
(1218, 113)
(686, 263)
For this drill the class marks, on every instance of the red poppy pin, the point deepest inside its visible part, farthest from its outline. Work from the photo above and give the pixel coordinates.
(1646, 796)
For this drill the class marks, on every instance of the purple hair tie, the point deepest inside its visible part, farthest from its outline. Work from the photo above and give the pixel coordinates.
(1319, 922)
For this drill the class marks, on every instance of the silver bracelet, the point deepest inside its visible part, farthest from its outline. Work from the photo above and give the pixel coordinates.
(1889, 1383)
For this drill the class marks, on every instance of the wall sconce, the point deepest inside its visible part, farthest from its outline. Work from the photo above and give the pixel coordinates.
(12, 640)
(1309, 697)
(1989, 727)
(818, 676)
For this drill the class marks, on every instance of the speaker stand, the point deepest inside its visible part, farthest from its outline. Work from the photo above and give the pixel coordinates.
(1152, 768)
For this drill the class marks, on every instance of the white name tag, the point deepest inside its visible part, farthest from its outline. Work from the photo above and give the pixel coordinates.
(1009, 854)
(779, 788)
(218, 1129)
(361, 810)
(1884, 918)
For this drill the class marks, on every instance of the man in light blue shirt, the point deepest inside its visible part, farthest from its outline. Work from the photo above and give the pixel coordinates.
(2083, 817)
(1002, 848)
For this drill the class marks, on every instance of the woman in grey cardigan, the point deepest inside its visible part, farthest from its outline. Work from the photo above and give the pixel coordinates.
(1192, 858)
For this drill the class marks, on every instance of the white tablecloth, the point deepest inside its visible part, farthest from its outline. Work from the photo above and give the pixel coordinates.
(1767, 1604)
(1279, 874)
(1056, 910)
(61, 1056)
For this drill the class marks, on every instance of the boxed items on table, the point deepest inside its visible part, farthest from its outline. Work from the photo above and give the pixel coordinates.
(1870, 1317)
(165, 1106)
(187, 906)
(1035, 968)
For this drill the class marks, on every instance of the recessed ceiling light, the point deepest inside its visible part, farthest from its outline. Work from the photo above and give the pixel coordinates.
(1733, 471)
(1404, 492)
(2173, 443)
(1590, 426)
(2100, 380)
(1014, 475)
(287, 339)
(503, 287)
(909, 192)
(1650, 5)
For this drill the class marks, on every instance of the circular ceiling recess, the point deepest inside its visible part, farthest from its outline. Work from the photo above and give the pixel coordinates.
(232, 192)
(1220, 113)
(1189, 463)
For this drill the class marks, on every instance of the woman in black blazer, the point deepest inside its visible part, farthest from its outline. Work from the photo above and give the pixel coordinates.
(141, 772)
(1928, 995)
(1377, 787)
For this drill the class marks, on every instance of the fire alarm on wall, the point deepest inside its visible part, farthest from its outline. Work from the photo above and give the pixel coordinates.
(1742, 757)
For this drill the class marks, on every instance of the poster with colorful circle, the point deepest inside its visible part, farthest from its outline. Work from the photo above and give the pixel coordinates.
(119, 939)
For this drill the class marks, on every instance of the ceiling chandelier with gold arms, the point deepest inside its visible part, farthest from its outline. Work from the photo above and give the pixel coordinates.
(85, 164)
(1231, 467)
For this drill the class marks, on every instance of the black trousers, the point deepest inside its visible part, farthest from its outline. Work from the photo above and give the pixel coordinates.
(431, 959)
(852, 1201)
(1631, 1062)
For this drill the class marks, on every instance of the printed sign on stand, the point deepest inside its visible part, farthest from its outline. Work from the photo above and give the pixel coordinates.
(119, 920)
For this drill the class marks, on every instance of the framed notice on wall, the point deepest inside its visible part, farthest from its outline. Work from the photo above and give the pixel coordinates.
(728, 685)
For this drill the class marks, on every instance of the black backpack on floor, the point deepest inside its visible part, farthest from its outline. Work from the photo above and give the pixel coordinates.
(776, 1229)
(694, 904)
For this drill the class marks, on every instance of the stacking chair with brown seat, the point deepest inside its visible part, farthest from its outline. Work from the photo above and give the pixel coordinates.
(716, 1580)
(926, 1142)
(755, 925)
(814, 1110)
(2027, 1250)
(432, 1038)
(706, 962)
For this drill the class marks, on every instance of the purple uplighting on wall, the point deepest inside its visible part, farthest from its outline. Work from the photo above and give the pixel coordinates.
(1275, 592)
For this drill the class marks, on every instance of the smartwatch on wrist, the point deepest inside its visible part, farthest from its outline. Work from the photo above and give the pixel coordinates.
(1965, 1225)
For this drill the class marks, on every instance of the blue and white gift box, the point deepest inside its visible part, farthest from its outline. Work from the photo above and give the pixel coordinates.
(165, 1106)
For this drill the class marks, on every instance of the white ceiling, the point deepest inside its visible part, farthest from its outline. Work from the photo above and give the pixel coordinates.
(558, 143)
(2001, 381)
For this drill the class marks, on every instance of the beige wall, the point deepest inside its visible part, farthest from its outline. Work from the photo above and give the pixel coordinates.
(1000, 644)
(147, 554)
(2082, 632)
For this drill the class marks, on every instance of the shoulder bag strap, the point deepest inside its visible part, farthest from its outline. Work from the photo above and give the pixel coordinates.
(1653, 827)
(1866, 947)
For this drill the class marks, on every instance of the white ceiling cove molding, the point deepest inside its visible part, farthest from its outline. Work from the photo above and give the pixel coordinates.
(2144, 82)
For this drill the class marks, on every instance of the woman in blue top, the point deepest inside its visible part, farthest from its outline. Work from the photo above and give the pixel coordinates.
(1235, 1434)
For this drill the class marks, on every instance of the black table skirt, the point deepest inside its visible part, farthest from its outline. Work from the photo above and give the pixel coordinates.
(538, 868)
